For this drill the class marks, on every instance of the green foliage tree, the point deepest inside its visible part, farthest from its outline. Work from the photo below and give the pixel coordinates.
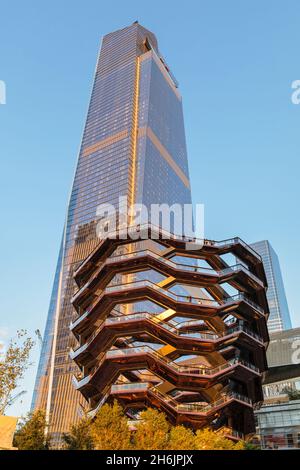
(181, 438)
(251, 446)
(31, 433)
(152, 432)
(292, 393)
(79, 438)
(13, 365)
(110, 429)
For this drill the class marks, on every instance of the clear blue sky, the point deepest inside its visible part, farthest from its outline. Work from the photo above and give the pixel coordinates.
(235, 62)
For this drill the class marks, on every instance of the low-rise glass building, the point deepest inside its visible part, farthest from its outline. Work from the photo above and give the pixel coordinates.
(279, 425)
(278, 420)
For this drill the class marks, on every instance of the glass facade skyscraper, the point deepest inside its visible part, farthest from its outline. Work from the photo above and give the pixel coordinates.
(279, 318)
(133, 145)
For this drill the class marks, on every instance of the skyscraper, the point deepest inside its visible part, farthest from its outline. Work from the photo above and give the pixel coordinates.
(279, 318)
(133, 145)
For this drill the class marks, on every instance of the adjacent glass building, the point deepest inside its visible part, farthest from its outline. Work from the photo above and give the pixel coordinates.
(133, 145)
(279, 318)
(279, 425)
(278, 421)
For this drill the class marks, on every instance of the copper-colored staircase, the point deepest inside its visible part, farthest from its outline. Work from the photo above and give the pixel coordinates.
(197, 351)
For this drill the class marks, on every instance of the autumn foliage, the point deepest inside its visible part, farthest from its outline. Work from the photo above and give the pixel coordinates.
(110, 431)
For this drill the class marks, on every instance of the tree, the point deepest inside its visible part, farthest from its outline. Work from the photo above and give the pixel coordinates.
(31, 433)
(206, 439)
(13, 366)
(80, 436)
(181, 438)
(292, 393)
(248, 445)
(110, 429)
(152, 431)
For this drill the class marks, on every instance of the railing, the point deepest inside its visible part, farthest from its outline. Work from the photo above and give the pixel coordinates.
(179, 407)
(79, 319)
(155, 321)
(182, 266)
(183, 298)
(176, 297)
(173, 265)
(230, 320)
(169, 236)
(215, 404)
(235, 241)
(126, 231)
(83, 287)
(184, 369)
(241, 267)
(191, 323)
(130, 386)
(245, 330)
(247, 364)
(195, 369)
(80, 382)
(189, 407)
(105, 395)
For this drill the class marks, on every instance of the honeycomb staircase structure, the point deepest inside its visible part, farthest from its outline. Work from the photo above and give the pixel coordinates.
(168, 322)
